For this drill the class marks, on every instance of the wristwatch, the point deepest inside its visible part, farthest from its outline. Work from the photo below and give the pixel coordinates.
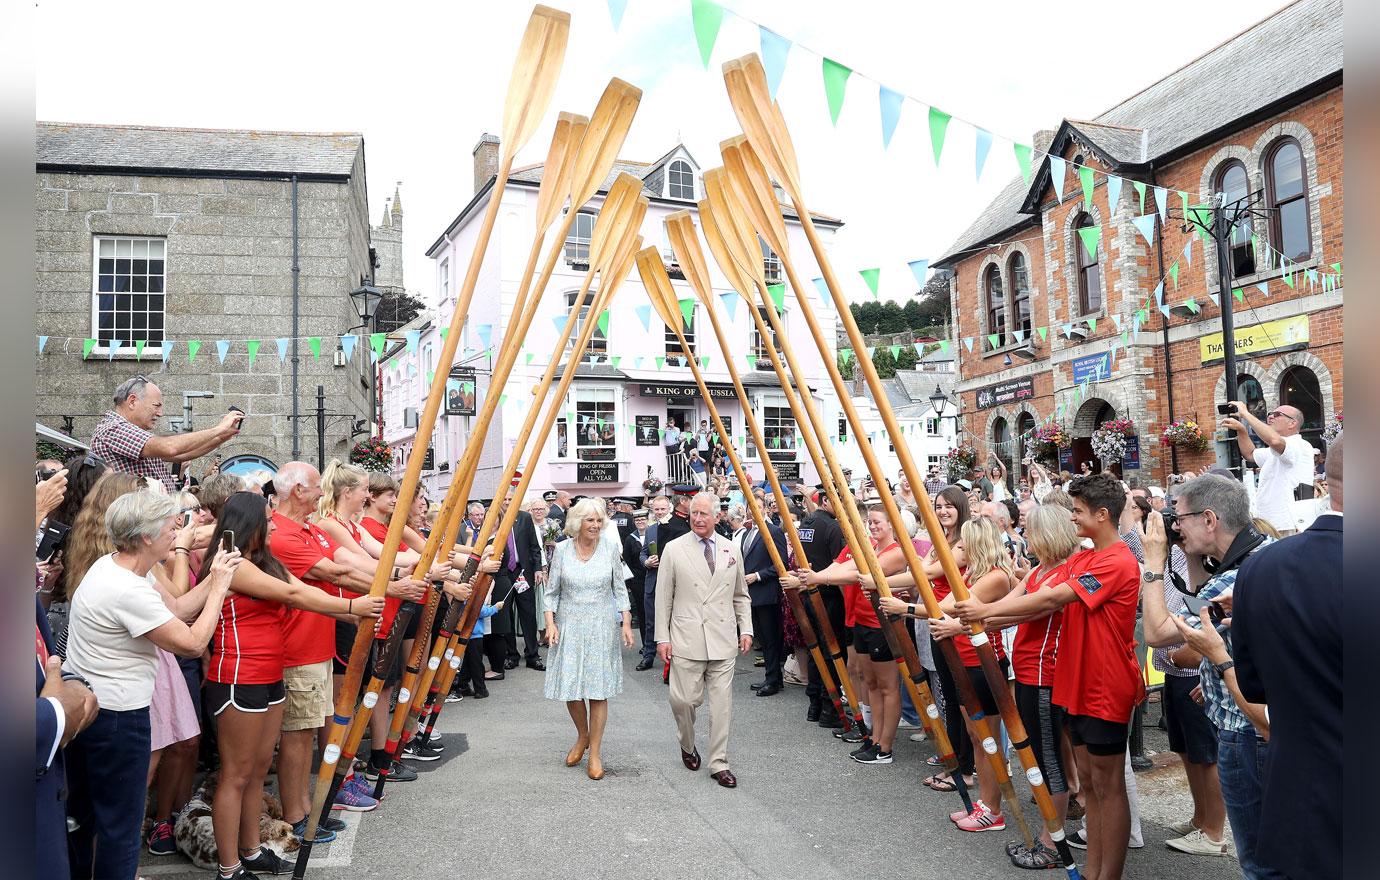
(1151, 576)
(1221, 668)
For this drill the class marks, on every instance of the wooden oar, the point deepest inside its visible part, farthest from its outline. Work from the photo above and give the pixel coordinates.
(530, 88)
(723, 220)
(766, 131)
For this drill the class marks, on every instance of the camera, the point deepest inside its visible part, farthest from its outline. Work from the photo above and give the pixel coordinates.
(1171, 533)
(1225, 409)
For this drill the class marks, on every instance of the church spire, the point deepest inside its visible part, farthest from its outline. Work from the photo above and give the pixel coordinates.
(397, 206)
(385, 223)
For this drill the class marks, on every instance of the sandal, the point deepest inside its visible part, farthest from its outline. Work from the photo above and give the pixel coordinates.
(933, 761)
(941, 782)
(1039, 858)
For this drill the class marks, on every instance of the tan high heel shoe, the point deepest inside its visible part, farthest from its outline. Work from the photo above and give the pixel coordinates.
(576, 754)
(595, 774)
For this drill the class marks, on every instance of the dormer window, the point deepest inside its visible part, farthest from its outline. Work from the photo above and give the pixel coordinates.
(680, 181)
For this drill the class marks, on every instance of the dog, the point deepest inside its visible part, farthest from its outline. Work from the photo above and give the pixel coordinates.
(196, 841)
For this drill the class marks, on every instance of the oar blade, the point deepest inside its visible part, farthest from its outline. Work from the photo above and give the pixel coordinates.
(685, 244)
(535, 74)
(608, 128)
(749, 179)
(746, 81)
(557, 170)
(739, 236)
(714, 237)
(657, 283)
(610, 229)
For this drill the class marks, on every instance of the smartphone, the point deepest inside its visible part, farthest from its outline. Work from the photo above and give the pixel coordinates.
(235, 409)
(1225, 409)
(54, 536)
(1196, 605)
(227, 541)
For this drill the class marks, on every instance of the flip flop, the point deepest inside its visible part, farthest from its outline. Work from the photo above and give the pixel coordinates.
(940, 783)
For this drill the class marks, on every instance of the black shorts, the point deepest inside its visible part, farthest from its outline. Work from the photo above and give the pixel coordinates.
(984, 693)
(870, 640)
(1100, 736)
(191, 672)
(245, 697)
(1191, 734)
(410, 631)
(1044, 727)
(344, 644)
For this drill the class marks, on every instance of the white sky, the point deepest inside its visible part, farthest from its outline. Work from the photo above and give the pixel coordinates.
(422, 81)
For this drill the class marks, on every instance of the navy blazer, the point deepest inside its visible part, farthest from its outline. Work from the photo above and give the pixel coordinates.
(649, 574)
(766, 591)
(50, 778)
(1287, 643)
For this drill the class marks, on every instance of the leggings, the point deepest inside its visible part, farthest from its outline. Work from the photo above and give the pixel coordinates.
(953, 713)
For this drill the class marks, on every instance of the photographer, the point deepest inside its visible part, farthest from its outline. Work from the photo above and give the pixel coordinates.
(1214, 522)
(1285, 461)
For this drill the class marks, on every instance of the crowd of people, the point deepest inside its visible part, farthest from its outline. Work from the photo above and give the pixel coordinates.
(180, 632)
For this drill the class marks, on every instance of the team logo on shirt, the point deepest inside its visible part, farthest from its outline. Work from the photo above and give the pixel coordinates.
(806, 534)
(1089, 583)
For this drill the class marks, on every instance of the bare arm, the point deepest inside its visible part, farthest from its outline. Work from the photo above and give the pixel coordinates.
(189, 641)
(186, 447)
(1018, 607)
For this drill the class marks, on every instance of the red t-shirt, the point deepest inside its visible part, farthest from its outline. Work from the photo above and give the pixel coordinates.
(1037, 641)
(308, 637)
(966, 651)
(1097, 673)
(857, 608)
(379, 532)
(248, 643)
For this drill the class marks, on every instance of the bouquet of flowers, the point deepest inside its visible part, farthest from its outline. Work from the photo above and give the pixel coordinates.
(372, 455)
(550, 532)
(960, 462)
(1048, 439)
(1109, 442)
(1186, 433)
(1334, 430)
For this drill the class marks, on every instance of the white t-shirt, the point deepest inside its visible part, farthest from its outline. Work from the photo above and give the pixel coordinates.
(110, 614)
(1280, 473)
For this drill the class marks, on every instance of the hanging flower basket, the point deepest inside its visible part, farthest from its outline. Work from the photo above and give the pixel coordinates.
(1334, 430)
(960, 462)
(1125, 427)
(1186, 434)
(1048, 439)
(1109, 444)
(372, 455)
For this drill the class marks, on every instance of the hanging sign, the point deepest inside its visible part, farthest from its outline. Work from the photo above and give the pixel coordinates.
(597, 472)
(646, 431)
(1131, 457)
(460, 388)
(1006, 392)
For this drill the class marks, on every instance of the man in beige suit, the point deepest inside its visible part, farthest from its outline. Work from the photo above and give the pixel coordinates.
(702, 613)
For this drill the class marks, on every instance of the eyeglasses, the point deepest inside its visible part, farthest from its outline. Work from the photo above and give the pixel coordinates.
(1194, 513)
(1281, 414)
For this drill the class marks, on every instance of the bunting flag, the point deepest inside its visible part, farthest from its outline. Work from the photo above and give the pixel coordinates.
(444, 331)
(704, 362)
(1145, 224)
(638, 361)
(1162, 202)
(86, 346)
(485, 332)
(558, 321)
(1085, 178)
(602, 323)
(1188, 252)
(42, 343)
(1056, 177)
(968, 342)
(752, 361)
(167, 349)
(1092, 237)
(222, 349)
(314, 342)
(660, 362)
(895, 351)
(835, 83)
(777, 292)
(823, 287)
(706, 17)
(687, 310)
(845, 355)
(982, 144)
(1116, 319)
(1216, 300)
(376, 342)
(413, 337)
(1263, 288)
(1113, 192)
(891, 112)
(993, 340)
(871, 276)
(347, 345)
(644, 314)
(730, 301)
(529, 358)
(939, 124)
(774, 50)
(920, 269)
(139, 349)
(1023, 152)
(253, 347)
(1159, 293)
(616, 8)
(1174, 273)
(1044, 333)
(1092, 325)
(1140, 191)
(113, 346)
(1165, 311)
(282, 348)
(194, 346)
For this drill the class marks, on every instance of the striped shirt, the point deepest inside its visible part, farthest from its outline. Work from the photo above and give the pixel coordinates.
(120, 444)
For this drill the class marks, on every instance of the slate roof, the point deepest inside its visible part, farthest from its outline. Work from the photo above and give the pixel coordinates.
(194, 151)
(1294, 49)
(909, 393)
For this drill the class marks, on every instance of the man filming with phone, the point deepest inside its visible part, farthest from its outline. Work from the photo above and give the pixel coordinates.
(1285, 461)
(125, 441)
(1213, 519)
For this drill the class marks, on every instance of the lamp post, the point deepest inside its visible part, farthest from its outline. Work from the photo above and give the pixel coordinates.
(367, 299)
(939, 401)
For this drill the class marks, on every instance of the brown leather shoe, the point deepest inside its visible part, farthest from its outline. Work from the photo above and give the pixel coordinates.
(691, 760)
(725, 778)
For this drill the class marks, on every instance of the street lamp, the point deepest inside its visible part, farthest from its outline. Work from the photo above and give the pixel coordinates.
(367, 299)
(938, 400)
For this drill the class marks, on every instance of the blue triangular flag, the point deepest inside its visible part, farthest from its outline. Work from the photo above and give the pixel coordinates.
(486, 332)
(891, 112)
(413, 337)
(1159, 294)
(1165, 310)
(1216, 300)
(42, 343)
(984, 143)
(1162, 202)
(222, 349)
(1188, 252)
(1056, 177)
(730, 303)
(167, 349)
(637, 361)
(968, 342)
(347, 345)
(1263, 288)
(823, 289)
(774, 50)
(616, 8)
(919, 268)
(1113, 191)
(559, 321)
(1067, 328)
(644, 314)
(283, 348)
(1146, 226)
(112, 347)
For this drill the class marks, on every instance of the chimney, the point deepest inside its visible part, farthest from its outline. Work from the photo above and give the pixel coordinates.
(1043, 139)
(485, 160)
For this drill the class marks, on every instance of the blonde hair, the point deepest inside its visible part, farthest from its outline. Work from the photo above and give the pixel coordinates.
(338, 479)
(89, 539)
(576, 516)
(984, 549)
(1051, 534)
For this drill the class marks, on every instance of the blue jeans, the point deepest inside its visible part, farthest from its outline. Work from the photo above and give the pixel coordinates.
(1241, 769)
(107, 777)
(908, 713)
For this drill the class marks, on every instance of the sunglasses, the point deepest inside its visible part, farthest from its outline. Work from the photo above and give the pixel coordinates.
(1280, 414)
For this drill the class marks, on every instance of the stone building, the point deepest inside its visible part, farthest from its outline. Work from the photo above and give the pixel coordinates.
(163, 236)
(1259, 119)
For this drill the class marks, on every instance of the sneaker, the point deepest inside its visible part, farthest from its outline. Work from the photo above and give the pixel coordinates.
(299, 831)
(903, 724)
(959, 815)
(453, 697)
(331, 823)
(1182, 828)
(874, 755)
(1038, 859)
(435, 742)
(416, 752)
(161, 841)
(863, 749)
(238, 874)
(982, 819)
(266, 861)
(1197, 843)
(919, 737)
(1077, 840)
(354, 795)
(852, 736)
(399, 772)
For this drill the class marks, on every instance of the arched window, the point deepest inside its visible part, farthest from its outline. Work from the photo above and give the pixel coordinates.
(996, 303)
(1249, 392)
(1089, 270)
(1298, 387)
(680, 181)
(1001, 442)
(1286, 183)
(1020, 292)
(1235, 186)
(1025, 427)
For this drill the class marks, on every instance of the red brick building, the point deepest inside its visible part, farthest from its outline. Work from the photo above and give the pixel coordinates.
(1258, 118)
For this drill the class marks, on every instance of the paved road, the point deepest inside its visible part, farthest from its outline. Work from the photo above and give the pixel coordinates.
(501, 803)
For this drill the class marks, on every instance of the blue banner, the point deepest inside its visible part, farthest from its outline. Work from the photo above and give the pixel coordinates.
(1092, 368)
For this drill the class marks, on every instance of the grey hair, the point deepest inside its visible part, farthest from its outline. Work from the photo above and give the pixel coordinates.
(134, 386)
(576, 516)
(470, 508)
(290, 476)
(136, 516)
(737, 511)
(1223, 495)
(710, 495)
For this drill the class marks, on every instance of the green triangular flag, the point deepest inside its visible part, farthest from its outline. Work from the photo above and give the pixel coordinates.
(1240, 297)
(1337, 267)
(871, 276)
(376, 341)
(1288, 278)
(706, 17)
(1174, 273)
(1085, 177)
(615, 361)
(1092, 325)
(194, 346)
(87, 345)
(835, 81)
(846, 355)
(687, 310)
(752, 361)
(777, 292)
(993, 339)
(939, 123)
(603, 322)
(1023, 160)
(1043, 331)
(139, 348)
(430, 377)
(502, 399)
(895, 351)
(704, 362)
(660, 362)
(253, 346)
(529, 357)
(1092, 236)
(1140, 191)
(444, 332)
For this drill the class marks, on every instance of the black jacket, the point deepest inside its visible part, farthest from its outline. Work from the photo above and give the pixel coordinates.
(632, 557)
(757, 559)
(525, 541)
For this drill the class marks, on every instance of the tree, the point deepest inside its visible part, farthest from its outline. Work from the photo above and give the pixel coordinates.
(884, 363)
(933, 302)
(906, 358)
(845, 367)
(395, 309)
